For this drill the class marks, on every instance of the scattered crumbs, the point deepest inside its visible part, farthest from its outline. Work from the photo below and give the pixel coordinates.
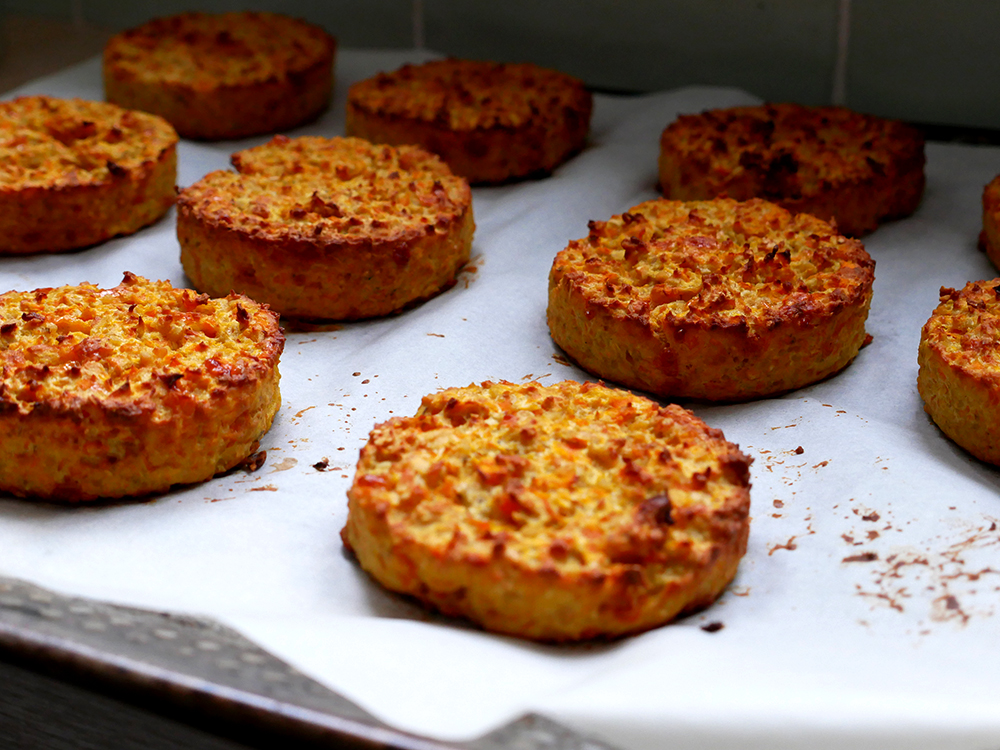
(821, 464)
(829, 406)
(776, 515)
(841, 411)
(951, 507)
(950, 576)
(873, 516)
(254, 461)
(862, 557)
(848, 538)
(264, 488)
(284, 464)
(872, 534)
(344, 476)
(366, 381)
(298, 414)
(355, 374)
(321, 465)
(799, 451)
(436, 335)
(712, 627)
(778, 504)
(340, 449)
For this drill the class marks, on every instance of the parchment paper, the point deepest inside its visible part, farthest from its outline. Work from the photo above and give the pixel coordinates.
(863, 615)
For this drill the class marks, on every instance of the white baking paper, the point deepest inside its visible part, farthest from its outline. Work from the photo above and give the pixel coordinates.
(863, 615)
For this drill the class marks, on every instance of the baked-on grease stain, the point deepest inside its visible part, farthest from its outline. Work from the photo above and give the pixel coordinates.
(284, 464)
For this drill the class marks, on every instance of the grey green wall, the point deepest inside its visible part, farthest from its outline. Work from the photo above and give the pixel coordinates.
(926, 60)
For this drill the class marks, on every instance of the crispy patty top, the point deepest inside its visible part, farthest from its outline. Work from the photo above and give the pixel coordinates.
(132, 348)
(721, 263)
(467, 95)
(331, 191)
(204, 51)
(47, 142)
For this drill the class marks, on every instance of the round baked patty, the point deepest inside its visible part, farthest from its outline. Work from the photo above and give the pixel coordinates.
(74, 173)
(959, 378)
(555, 513)
(127, 391)
(719, 300)
(490, 122)
(855, 169)
(989, 239)
(227, 75)
(328, 228)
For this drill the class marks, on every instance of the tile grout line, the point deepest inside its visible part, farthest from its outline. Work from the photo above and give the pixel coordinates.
(419, 39)
(76, 11)
(838, 93)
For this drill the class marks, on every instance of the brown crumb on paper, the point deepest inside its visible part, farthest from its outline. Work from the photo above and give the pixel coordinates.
(863, 557)
(322, 465)
(712, 627)
(467, 272)
(789, 545)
